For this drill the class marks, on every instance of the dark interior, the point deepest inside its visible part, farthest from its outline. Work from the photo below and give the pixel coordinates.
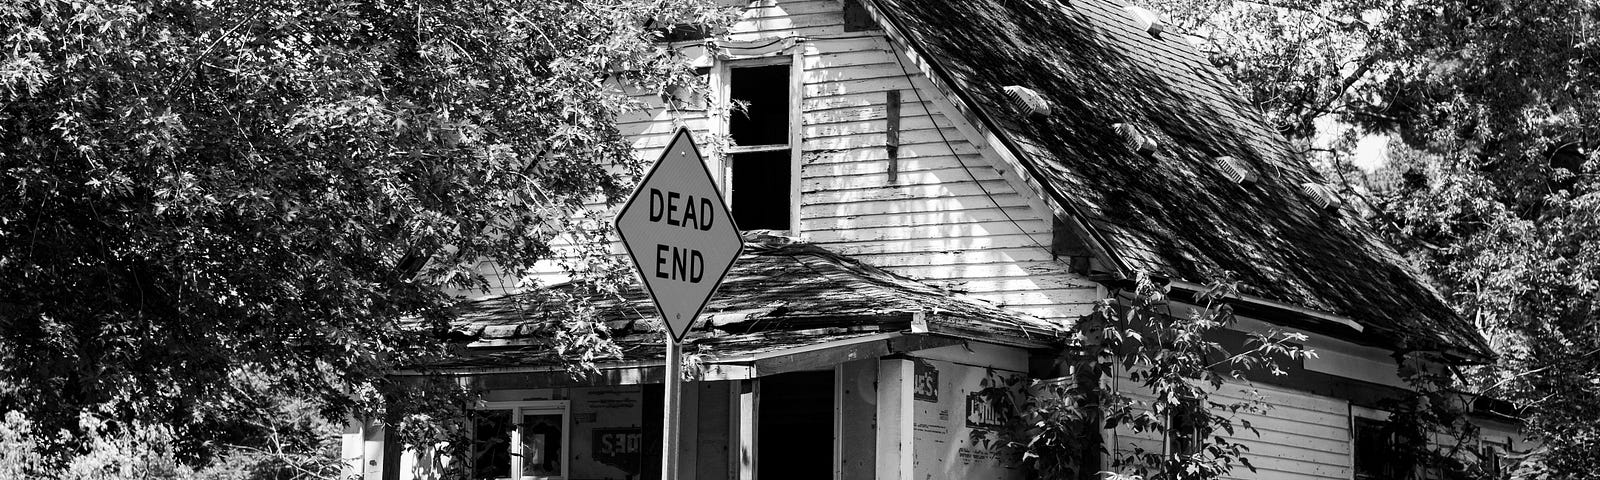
(761, 190)
(765, 94)
(795, 429)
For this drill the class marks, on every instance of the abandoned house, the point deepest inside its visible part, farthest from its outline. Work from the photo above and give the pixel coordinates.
(932, 191)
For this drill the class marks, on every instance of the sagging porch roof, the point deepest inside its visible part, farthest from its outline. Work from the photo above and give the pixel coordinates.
(780, 296)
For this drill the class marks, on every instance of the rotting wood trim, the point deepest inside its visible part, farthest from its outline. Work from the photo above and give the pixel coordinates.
(1020, 336)
(892, 112)
(1190, 290)
(818, 359)
(800, 358)
(882, 322)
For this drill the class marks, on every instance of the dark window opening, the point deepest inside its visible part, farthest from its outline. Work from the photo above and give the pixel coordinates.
(759, 163)
(491, 444)
(764, 94)
(653, 397)
(795, 430)
(1375, 454)
(1492, 458)
(1184, 429)
(761, 190)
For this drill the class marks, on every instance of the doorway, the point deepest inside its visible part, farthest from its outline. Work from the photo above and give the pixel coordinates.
(794, 432)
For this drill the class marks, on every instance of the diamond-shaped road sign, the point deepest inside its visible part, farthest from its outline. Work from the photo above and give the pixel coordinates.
(679, 234)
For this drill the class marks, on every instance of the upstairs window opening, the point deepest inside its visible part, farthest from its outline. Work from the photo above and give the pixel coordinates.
(763, 93)
(759, 161)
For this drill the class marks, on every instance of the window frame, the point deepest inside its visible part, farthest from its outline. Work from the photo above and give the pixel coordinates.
(721, 73)
(519, 409)
(1492, 455)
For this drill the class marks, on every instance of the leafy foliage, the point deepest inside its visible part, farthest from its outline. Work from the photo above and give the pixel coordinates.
(1177, 359)
(1490, 180)
(197, 192)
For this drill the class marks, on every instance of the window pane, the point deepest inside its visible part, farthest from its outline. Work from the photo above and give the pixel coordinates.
(541, 445)
(491, 444)
(761, 190)
(765, 94)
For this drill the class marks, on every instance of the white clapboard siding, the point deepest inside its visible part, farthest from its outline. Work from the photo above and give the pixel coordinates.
(950, 218)
(1303, 436)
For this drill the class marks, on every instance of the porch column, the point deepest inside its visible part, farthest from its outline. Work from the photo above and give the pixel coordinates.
(894, 445)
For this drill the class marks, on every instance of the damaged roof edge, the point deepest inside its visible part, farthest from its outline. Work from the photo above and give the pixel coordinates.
(1076, 219)
(1073, 215)
(733, 367)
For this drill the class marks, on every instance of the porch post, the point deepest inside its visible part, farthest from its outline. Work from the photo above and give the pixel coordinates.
(894, 419)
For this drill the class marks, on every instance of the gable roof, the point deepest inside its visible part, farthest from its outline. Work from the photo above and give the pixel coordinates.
(1172, 213)
(779, 294)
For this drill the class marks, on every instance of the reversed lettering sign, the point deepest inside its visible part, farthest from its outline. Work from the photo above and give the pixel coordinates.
(988, 409)
(925, 386)
(679, 234)
(619, 447)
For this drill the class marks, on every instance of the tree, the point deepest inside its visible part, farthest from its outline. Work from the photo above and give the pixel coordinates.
(201, 192)
(1490, 185)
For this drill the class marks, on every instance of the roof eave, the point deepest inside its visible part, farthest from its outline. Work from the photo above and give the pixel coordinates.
(1330, 324)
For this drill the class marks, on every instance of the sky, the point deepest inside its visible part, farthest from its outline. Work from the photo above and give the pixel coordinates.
(1372, 151)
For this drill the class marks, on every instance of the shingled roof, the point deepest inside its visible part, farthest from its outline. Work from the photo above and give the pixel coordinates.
(779, 294)
(1172, 213)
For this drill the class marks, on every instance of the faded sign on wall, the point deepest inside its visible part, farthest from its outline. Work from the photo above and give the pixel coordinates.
(607, 438)
(619, 447)
(958, 419)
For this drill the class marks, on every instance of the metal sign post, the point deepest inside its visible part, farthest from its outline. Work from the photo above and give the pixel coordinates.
(672, 410)
(682, 241)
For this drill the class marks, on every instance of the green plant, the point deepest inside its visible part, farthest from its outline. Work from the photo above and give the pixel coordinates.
(1172, 357)
(196, 188)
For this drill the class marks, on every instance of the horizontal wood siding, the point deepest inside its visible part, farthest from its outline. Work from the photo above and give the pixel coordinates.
(950, 219)
(1303, 436)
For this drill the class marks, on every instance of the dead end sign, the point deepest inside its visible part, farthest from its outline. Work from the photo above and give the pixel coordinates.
(679, 234)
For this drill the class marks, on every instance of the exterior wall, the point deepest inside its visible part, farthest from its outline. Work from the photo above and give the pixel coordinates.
(1303, 436)
(958, 412)
(951, 219)
(608, 435)
(931, 412)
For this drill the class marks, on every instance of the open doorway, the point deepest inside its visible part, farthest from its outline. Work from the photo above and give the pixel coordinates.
(795, 427)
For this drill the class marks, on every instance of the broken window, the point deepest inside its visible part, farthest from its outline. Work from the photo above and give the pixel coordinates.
(519, 440)
(759, 161)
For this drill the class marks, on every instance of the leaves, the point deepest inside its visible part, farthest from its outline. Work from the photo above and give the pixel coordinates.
(195, 189)
(1178, 364)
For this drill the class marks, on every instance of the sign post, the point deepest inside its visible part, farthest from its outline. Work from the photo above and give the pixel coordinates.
(682, 241)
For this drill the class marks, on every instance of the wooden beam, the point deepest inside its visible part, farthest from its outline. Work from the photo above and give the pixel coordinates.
(893, 144)
(745, 423)
(819, 359)
(894, 436)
